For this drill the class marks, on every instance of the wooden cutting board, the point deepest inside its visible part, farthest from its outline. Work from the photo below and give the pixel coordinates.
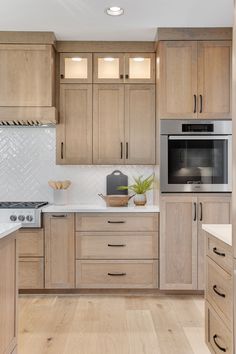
(114, 180)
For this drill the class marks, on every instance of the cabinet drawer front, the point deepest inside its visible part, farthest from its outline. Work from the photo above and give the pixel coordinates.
(217, 334)
(220, 289)
(116, 245)
(31, 243)
(31, 273)
(220, 252)
(116, 274)
(117, 222)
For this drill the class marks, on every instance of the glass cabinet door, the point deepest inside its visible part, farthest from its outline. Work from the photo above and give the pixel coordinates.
(140, 68)
(108, 68)
(75, 68)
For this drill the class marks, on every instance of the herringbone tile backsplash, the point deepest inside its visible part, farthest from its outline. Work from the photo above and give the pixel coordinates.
(27, 162)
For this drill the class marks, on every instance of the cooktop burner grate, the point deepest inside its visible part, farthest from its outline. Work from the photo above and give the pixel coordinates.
(22, 205)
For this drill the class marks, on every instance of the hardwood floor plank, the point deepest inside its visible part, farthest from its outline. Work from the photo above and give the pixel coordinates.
(195, 337)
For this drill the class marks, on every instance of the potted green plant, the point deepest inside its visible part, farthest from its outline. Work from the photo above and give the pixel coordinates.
(140, 187)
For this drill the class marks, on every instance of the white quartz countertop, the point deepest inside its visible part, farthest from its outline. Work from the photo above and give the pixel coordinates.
(8, 228)
(221, 231)
(79, 208)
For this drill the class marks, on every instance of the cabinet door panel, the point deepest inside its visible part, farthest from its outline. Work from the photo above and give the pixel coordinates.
(178, 243)
(59, 251)
(74, 133)
(177, 79)
(214, 79)
(140, 68)
(108, 124)
(211, 210)
(76, 68)
(140, 124)
(108, 68)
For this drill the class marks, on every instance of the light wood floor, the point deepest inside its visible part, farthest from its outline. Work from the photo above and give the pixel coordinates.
(111, 325)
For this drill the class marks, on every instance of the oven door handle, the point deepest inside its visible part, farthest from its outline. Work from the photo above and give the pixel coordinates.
(198, 137)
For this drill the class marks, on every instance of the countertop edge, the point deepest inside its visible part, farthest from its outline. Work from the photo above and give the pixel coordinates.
(222, 232)
(9, 229)
(70, 208)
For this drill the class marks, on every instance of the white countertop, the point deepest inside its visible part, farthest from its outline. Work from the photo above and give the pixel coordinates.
(80, 208)
(221, 231)
(8, 228)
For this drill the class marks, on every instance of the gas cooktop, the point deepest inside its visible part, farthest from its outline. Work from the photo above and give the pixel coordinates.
(22, 205)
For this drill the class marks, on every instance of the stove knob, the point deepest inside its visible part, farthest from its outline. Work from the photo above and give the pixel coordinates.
(13, 217)
(29, 217)
(21, 217)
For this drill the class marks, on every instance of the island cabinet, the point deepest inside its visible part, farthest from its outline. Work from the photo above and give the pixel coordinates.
(182, 238)
(117, 250)
(194, 79)
(59, 250)
(8, 294)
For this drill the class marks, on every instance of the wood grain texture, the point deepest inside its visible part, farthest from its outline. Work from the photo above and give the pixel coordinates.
(196, 34)
(27, 37)
(31, 243)
(225, 262)
(115, 325)
(141, 80)
(119, 79)
(88, 79)
(31, 273)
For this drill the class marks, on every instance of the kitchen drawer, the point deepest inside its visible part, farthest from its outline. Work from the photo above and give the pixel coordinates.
(116, 245)
(31, 243)
(31, 273)
(116, 274)
(220, 252)
(117, 222)
(219, 290)
(218, 336)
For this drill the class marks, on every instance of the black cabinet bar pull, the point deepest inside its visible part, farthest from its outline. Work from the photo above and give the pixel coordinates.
(121, 76)
(195, 103)
(110, 245)
(59, 216)
(218, 346)
(200, 104)
(218, 253)
(217, 292)
(201, 215)
(127, 151)
(126, 76)
(195, 212)
(121, 150)
(62, 76)
(116, 274)
(116, 222)
(62, 152)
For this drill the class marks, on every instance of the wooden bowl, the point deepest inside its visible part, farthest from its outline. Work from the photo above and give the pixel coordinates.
(116, 200)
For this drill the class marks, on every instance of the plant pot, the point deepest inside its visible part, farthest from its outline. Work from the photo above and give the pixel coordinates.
(140, 199)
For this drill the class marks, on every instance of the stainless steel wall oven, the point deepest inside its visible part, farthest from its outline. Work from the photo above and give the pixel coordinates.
(196, 156)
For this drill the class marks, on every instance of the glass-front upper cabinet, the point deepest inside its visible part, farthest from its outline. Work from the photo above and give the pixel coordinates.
(140, 68)
(108, 67)
(76, 68)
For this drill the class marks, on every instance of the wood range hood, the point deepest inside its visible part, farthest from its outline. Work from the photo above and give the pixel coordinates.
(27, 71)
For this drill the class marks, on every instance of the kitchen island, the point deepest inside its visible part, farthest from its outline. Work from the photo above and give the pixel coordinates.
(9, 289)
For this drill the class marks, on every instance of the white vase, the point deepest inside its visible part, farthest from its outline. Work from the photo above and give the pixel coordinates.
(60, 196)
(140, 199)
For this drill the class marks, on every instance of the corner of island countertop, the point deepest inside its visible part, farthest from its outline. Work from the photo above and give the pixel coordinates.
(87, 208)
(8, 228)
(222, 232)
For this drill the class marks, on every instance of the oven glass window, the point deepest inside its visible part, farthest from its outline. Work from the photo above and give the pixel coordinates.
(197, 161)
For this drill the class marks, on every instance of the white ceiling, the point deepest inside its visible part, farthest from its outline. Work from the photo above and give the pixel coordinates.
(86, 20)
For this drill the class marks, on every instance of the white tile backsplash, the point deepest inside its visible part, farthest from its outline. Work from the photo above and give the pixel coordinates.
(27, 162)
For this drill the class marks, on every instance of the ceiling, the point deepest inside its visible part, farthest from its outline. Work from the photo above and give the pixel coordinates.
(86, 19)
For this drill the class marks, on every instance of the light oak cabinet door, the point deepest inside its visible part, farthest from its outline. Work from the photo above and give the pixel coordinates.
(76, 68)
(27, 75)
(211, 210)
(177, 79)
(8, 294)
(140, 124)
(31, 273)
(214, 79)
(74, 133)
(59, 251)
(140, 68)
(108, 124)
(108, 68)
(178, 243)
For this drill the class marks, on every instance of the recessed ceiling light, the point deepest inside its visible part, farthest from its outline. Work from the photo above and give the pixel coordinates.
(77, 59)
(138, 59)
(109, 59)
(114, 11)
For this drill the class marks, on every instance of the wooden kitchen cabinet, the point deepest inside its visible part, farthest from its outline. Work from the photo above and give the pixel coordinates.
(124, 124)
(108, 68)
(8, 294)
(211, 210)
(178, 243)
(194, 79)
(74, 133)
(31, 273)
(76, 68)
(59, 250)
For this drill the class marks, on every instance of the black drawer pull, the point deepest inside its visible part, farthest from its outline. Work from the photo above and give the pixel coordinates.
(218, 346)
(110, 245)
(218, 253)
(116, 222)
(217, 292)
(195, 212)
(59, 216)
(195, 104)
(116, 274)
